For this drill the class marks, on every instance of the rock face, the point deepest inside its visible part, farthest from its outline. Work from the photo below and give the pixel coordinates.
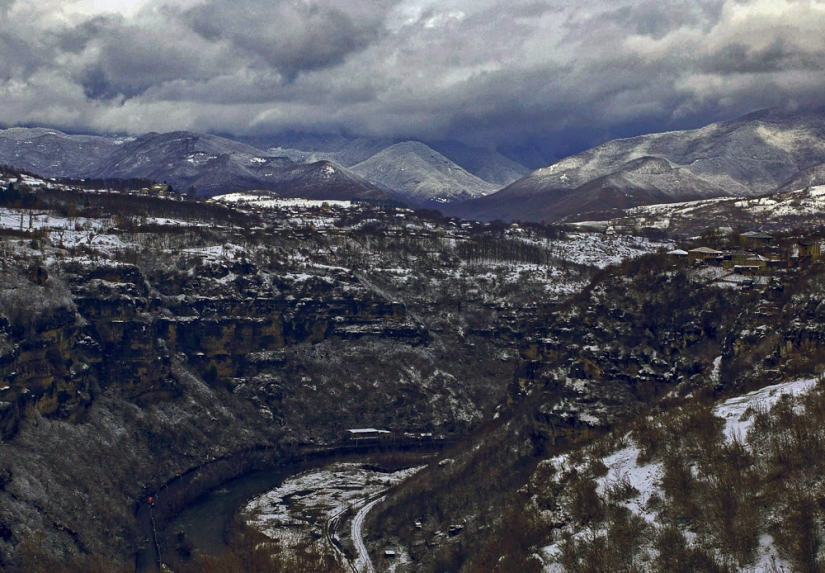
(120, 326)
(131, 355)
(752, 155)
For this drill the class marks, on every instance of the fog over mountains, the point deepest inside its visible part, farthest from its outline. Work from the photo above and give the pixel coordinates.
(756, 154)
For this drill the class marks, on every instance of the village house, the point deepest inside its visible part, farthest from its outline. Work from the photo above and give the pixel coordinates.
(746, 261)
(362, 434)
(808, 249)
(751, 264)
(703, 254)
(678, 254)
(756, 238)
(159, 189)
(738, 258)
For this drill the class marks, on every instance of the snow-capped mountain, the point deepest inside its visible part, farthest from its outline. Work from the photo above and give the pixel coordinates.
(486, 164)
(752, 155)
(421, 174)
(52, 153)
(338, 149)
(209, 163)
(214, 165)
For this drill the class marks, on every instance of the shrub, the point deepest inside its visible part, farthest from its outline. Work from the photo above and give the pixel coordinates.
(675, 556)
(251, 552)
(621, 490)
(585, 505)
(799, 533)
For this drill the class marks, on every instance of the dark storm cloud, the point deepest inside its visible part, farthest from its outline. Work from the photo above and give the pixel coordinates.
(657, 19)
(25, 58)
(289, 36)
(778, 56)
(75, 39)
(490, 72)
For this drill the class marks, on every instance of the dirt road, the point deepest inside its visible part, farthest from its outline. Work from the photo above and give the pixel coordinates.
(363, 564)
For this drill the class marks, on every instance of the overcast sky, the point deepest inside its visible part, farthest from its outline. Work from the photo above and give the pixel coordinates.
(569, 73)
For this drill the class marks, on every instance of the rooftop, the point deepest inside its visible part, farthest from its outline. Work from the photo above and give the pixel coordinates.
(756, 235)
(367, 431)
(706, 250)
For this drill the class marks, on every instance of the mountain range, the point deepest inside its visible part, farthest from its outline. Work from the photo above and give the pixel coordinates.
(755, 154)
(759, 153)
(326, 168)
(486, 164)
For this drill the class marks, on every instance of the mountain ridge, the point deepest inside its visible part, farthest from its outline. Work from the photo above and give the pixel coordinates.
(421, 174)
(213, 164)
(751, 155)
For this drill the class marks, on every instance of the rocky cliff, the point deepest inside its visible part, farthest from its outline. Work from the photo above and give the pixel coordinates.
(131, 355)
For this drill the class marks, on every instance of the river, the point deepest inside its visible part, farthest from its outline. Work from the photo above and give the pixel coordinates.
(205, 521)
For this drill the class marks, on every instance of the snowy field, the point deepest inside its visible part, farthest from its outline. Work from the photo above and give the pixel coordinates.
(26, 220)
(600, 250)
(734, 411)
(267, 201)
(808, 201)
(307, 502)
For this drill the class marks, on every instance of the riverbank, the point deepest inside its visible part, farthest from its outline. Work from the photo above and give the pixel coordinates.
(196, 511)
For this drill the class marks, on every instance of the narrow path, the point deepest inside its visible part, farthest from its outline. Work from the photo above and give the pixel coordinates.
(331, 530)
(362, 563)
(155, 538)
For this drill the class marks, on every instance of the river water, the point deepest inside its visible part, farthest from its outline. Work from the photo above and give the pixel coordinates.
(205, 522)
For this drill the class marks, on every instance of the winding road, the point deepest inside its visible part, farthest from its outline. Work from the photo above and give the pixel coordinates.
(204, 516)
(363, 564)
(333, 539)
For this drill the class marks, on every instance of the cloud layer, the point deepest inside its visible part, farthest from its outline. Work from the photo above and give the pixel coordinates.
(490, 72)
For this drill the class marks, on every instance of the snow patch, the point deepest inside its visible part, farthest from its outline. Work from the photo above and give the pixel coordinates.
(623, 466)
(733, 410)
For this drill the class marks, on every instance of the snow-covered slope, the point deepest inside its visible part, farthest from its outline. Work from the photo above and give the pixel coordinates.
(421, 174)
(774, 212)
(487, 164)
(638, 486)
(52, 153)
(210, 163)
(752, 155)
(217, 165)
